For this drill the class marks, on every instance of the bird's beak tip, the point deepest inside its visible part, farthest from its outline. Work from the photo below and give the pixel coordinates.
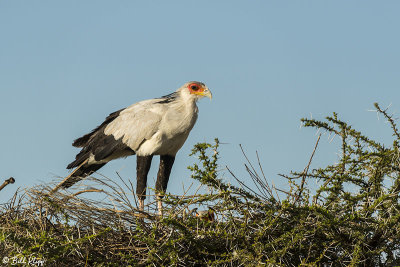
(209, 94)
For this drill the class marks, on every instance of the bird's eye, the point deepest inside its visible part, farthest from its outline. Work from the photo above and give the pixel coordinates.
(194, 87)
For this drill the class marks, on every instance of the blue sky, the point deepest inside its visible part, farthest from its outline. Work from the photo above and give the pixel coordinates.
(65, 65)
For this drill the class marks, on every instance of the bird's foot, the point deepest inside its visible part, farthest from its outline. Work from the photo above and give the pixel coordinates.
(159, 206)
(141, 204)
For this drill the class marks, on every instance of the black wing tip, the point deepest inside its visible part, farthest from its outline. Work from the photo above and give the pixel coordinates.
(71, 165)
(80, 142)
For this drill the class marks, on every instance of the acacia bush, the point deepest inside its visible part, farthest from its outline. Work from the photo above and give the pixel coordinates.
(350, 219)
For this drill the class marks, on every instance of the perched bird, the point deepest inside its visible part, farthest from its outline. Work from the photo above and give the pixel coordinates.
(205, 215)
(157, 126)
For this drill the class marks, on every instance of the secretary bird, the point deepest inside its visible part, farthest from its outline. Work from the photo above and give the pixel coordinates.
(157, 126)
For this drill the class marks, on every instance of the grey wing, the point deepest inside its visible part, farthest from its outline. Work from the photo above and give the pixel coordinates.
(136, 124)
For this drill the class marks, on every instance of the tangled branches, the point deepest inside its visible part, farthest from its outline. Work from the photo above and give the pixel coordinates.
(351, 219)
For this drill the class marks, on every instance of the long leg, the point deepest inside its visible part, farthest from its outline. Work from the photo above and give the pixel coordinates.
(164, 171)
(143, 164)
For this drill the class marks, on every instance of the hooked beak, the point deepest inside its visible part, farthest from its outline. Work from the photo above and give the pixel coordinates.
(207, 93)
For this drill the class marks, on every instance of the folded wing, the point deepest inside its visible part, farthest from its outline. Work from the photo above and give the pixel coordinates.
(120, 135)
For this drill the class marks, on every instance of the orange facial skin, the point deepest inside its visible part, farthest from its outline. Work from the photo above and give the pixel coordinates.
(196, 88)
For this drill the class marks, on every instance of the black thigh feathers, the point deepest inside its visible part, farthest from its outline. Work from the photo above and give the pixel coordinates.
(143, 164)
(164, 172)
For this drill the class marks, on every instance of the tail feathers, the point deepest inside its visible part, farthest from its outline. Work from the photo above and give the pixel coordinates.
(79, 159)
(81, 173)
(81, 142)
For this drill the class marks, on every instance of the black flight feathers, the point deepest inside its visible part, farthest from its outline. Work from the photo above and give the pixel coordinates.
(82, 141)
(98, 144)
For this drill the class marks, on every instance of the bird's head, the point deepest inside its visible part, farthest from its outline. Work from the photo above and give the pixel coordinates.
(195, 90)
